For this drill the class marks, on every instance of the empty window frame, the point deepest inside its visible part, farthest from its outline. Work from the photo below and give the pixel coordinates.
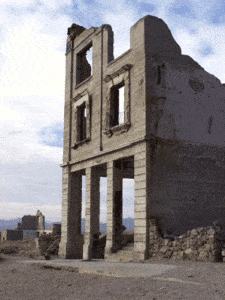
(84, 64)
(117, 104)
(81, 122)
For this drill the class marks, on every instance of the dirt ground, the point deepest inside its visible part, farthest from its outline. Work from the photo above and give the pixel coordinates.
(190, 281)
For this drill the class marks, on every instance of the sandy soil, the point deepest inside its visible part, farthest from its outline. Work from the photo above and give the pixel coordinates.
(189, 281)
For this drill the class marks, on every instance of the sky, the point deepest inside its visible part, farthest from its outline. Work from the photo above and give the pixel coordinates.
(32, 71)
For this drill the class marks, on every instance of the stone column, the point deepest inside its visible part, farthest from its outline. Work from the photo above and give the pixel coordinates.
(71, 240)
(92, 210)
(141, 203)
(114, 185)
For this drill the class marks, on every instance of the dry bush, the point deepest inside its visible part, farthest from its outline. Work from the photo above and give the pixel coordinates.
(21, 247)
(8, 249)
(1, 258)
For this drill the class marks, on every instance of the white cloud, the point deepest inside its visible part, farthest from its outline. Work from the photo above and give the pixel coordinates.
(17, 209)
(33, 60)
(32, 81)
(23, 3)
(191, 43)
(31, 186)
(56, 4)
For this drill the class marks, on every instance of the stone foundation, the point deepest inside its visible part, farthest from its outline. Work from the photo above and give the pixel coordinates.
(44, 242)
(201, 244)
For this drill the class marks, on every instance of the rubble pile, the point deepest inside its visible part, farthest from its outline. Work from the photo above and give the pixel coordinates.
(44, 242)
(201, 244)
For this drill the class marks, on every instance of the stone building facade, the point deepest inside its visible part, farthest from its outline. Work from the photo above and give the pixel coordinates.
(29, 222)
(11, 235)
(30, 227)
(167, 133)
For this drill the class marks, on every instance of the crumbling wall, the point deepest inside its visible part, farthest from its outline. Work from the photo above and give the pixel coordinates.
(187, 186)
(43, 242)
(201, 244)
(41, 220)
(11, 235)
(29, 223)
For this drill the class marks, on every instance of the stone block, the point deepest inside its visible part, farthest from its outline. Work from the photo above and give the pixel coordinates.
(194, 233)
(188, 251)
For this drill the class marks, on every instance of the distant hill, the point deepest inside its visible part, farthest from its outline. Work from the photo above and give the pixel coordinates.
(9, 224)
(127, 222)
(12, 224)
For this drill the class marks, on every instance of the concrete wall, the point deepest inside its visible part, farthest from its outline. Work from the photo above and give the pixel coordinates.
(194, 106)
(98, 89)
(29, 223)
(188, 185)
(11, 235)
(186, 125)
(30, 234)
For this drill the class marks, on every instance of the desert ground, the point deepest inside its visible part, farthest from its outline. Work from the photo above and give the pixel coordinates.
(18, 280)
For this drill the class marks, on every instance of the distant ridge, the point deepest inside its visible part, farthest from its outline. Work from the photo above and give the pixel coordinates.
(12, 224)
(9, 224)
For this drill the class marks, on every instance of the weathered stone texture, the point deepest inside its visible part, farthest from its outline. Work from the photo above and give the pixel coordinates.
(11, 235)
(201, 244)
(171, 142)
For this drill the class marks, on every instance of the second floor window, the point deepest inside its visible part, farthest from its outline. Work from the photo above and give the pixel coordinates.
(81, 124)
(84, 64)
(117, 105)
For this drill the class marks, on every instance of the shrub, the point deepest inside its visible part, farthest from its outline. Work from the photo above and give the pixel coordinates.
(8, 249)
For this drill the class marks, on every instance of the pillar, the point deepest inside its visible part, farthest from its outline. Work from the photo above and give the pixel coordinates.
(114, 211)
(71, 239)
(142, 183)
(92, 210)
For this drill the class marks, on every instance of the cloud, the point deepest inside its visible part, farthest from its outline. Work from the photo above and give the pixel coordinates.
(217, 15)
(209, 36)
(206, 49)
(31, 186)
(145, 8)
(32, 68)
(33, 62)
(182, 9)
(35, 182)
(16, 209)
(52, 135)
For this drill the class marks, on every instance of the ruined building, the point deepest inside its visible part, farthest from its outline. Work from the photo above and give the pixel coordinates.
(29, 222)
(29, 227)
(167, 133)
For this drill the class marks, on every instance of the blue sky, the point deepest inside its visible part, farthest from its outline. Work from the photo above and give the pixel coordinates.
(32, 71)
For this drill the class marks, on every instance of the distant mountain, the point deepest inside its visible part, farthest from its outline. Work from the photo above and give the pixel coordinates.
(12, 224)
(9, 224)
(127, 222)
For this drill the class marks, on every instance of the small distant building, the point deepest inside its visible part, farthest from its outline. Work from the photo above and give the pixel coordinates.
(55, 230)
(30, 234)
(29, 222)
(11, 235)
(28, 228)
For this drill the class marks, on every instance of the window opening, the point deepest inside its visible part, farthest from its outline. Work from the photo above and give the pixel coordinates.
(82, 119)
(117, 105)
(84, 64)
(89, 58)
